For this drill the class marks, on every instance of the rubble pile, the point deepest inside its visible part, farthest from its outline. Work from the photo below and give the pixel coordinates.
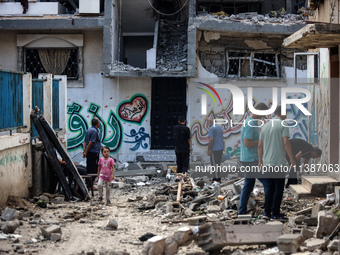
(172, 46)
(279, 16)
(174, 215)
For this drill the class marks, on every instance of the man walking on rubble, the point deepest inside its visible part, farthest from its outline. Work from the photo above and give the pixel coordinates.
(183, 145)
(249, 157)
(92, 146)
(301, 149)
(215, 146)
(273, 146)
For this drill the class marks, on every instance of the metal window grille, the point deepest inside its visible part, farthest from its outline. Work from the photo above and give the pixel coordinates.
(34, 66)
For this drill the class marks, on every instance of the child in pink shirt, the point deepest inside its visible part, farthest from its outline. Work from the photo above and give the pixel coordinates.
(106, 173)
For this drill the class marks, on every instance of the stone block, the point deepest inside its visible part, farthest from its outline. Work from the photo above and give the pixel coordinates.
(55, 237)
(289, 243)
(317, 207)
(46, 232)
(9, 214)
(337, 194)
(306, 233)
(171, 246)
(154, 246)
(10, 226)
(112, 225)
(333, 246)
(183, 236)
(327, 221)
(313, 243)
(213, 208)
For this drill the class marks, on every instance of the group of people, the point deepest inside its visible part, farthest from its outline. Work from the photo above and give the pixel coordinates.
(270, 153)
(271, 149)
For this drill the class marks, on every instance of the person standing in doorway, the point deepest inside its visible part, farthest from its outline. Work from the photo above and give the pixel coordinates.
(215, 146)
(183, 145)
(273, 146)
(92, 146)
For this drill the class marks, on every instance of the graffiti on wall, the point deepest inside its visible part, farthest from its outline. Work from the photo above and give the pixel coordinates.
(139, 139)
(110, 132)
(134, 110)
(231, 133)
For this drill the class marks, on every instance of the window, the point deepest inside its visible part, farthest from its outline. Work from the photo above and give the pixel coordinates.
(252, 65)
(35, 65)
(306, 68)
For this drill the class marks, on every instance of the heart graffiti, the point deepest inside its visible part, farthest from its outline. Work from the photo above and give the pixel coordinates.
(134, 110)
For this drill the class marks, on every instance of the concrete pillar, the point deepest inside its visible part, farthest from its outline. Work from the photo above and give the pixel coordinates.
(62, 106)
(47, 96)
(27, 100)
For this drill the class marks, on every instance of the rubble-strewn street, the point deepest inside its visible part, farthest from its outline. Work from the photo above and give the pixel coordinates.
(202, 219)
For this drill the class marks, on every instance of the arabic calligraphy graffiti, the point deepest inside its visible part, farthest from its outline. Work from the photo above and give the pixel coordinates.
(133, 110)
(139, 138)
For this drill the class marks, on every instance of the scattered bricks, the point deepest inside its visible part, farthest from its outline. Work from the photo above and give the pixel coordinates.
(55, 237)
(317, 207)
(46, 232)
(289, 243)
(306, 233)
(327, 221)
(112, 225)
(337, 194)
(313, 243)
(211, 236)
(10, 226)
(333, 246)
(213, 208)
(9, 214)
(196, 220)
(171, 246)
(183, 236)
(154, 246)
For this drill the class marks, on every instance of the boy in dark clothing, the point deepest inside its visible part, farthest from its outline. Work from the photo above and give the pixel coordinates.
(182, 145)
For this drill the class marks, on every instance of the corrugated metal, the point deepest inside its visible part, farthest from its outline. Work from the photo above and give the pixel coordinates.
(37, 99)
(55, 104)
(11, 100)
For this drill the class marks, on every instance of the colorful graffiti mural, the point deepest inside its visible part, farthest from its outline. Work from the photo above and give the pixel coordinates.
(110, 132)
(134, 110)
(139, 139)
(231, 133)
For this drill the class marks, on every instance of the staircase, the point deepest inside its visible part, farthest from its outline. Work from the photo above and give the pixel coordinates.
(314, 186)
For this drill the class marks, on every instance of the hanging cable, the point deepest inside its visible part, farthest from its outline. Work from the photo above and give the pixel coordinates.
(166, 14)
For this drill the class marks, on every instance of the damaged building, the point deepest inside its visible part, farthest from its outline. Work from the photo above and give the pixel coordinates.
(138, 65)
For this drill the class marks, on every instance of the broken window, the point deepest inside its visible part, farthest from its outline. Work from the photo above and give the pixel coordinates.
(40, 61)
(306, 67)
(252, 65)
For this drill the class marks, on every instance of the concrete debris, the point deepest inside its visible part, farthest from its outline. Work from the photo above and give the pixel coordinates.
(154, 246)
(333, 246)
(112, 225)
(46, 232)
(9, 214)
(313, 243)
(272, 17)
(327, 221)
(290, 243)
(10, 226)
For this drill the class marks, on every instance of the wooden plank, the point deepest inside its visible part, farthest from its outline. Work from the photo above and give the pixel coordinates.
(69, 163)
(52, 155)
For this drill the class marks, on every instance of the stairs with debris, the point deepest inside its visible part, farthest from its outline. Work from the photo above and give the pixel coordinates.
(314, 186)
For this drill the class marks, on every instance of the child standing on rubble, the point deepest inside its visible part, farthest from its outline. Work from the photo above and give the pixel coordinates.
(106, 173)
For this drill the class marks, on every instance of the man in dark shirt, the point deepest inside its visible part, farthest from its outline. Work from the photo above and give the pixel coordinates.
(301, 149)
(92, 146)
(182, 145)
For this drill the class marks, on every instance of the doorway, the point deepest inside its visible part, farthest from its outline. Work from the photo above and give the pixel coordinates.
(168, 103)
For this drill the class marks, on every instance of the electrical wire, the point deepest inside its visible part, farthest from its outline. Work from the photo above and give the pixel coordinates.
(167, 14)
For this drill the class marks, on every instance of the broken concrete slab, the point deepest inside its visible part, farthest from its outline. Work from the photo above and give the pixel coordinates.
(327, 221)
(46, 232)
(154, 246)
(213, 208)
(10, 226)
(171, 246)
(9, 214)
(290, 243)
(319, 185)
(211, 236)
(183, 236)
(55, 237)
(333, 246)
(307, 233)
(317, 207)
(313, 243)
